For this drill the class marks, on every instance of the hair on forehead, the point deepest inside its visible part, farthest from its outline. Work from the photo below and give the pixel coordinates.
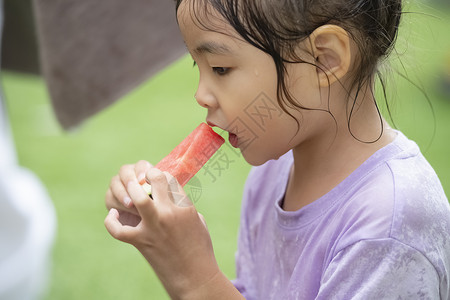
(202, 13)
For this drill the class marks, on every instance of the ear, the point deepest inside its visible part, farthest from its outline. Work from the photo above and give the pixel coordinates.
(331, 49)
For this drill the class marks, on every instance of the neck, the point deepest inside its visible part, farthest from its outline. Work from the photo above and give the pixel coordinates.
(326, 159)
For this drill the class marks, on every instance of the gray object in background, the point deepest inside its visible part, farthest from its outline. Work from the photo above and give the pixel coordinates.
(94, 52)
(91, 53)
(19, 45)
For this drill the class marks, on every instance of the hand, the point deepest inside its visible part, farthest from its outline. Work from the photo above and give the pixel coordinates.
(168, 230)
(117, 196)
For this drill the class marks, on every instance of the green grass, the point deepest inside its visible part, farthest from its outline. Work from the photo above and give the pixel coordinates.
(76, 166)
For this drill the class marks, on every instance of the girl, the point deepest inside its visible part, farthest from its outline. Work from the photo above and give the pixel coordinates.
(339, 205)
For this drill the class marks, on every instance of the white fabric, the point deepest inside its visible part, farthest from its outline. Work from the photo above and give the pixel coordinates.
(27, 222)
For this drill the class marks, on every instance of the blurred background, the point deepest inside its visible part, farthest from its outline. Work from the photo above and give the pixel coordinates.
(76, 165)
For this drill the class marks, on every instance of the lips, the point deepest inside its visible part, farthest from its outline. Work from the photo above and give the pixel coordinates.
(211, 124)
(232, 138)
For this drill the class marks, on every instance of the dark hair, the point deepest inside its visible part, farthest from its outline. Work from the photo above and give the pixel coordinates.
(277, 26)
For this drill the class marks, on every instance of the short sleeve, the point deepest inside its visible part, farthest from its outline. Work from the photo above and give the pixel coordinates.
(379, 269)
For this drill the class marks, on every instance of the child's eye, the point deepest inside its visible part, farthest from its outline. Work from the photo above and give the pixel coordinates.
(220, 70)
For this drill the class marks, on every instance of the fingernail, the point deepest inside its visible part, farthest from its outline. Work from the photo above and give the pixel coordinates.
(127, 201)
(141, 178)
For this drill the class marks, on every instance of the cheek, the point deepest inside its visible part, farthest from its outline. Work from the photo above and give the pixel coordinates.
(304, 86)
(248, 99)
(280, 135)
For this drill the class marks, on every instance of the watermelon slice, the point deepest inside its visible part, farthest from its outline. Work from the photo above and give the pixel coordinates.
(190, 155)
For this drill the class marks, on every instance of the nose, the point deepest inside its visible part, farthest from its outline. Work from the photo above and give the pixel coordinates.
(204, 96)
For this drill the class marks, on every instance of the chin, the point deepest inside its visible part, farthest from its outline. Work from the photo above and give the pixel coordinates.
(255, 159)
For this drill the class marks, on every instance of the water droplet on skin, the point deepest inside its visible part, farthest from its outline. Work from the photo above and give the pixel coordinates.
(256, 73)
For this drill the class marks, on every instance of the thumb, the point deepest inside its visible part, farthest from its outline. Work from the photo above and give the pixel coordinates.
(177, 192)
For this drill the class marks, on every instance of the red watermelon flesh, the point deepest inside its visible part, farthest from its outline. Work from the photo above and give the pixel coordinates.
(191, 154)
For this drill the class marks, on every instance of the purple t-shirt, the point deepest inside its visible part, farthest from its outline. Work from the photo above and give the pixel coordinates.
(382, 233)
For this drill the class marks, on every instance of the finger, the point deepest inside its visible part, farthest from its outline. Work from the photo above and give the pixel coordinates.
(119, 192)
(142, 201)
(110, 200)
(140, 168)
(177, 192)
(117, 230)
(127, 174)
(160, 186)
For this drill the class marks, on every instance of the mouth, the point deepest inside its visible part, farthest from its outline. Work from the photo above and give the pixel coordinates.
(232, 138)
(211, 124)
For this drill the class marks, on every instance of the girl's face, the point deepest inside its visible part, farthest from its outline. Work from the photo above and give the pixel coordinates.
(238, 87)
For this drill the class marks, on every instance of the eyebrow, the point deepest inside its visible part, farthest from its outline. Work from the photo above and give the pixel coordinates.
(213, 48)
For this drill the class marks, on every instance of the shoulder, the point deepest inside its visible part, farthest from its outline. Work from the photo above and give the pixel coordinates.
(421, 211)
(419, 201)
(400, 199)
(400, 192)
